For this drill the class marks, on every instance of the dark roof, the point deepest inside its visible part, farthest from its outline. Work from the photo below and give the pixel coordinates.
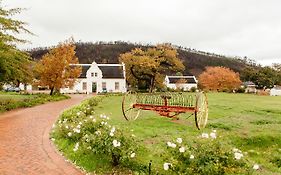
(84, 71)
(248, 83)
(107, 71)
(174, 80)
(112, 71)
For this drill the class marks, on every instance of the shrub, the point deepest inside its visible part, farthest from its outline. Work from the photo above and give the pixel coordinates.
(94, 134)
(205, 155)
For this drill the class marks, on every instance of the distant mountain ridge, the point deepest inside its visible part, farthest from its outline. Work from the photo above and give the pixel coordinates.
(108, 52)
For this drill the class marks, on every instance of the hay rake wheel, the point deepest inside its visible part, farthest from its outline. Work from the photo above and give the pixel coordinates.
(128, 109)
(167, 104)
(201, 110)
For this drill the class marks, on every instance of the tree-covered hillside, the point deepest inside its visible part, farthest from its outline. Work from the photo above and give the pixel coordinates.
(108, 52)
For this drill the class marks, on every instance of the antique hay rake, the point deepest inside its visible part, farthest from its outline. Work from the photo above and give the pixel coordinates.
(167, 104)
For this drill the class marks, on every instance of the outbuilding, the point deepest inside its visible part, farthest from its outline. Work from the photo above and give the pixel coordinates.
(276, 91)
(181, 82)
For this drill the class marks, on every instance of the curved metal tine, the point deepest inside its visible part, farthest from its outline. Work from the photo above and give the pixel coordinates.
(129, 109)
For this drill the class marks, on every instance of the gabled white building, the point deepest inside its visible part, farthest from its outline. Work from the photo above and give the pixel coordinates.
(181, 82)
(97, 78)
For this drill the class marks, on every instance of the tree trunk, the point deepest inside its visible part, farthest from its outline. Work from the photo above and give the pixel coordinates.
(52, 90)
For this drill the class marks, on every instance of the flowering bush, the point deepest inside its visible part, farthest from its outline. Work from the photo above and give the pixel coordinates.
(94, 134)
(205, 155)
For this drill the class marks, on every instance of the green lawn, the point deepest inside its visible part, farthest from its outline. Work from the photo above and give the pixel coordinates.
(249, 122)
(13, 100)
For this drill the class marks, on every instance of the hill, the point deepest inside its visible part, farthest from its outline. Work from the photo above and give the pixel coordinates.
(108, 52)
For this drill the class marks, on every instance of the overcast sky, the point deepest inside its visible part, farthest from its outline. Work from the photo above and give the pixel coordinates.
(249, 28)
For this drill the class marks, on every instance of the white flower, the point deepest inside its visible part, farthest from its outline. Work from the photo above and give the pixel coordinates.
(111, 134)
(98, 132)
(89, 147)
(214, 130)
(133, 135)
(91, 116)
(166, 166)
(53, 126)
(76, 147)
(69, 134)
(53, 139)
(116, 143)
(66, 127)
(191, 156)
(170, 144)
(94, 120)
(76, 130)
(80, 123)
(182, 149)
(78, 113)
(133, 155)
(112, 129)
(59, 121)
(179, 140)
(238, 156)
(256, 167)
(235, 150)
(213, 135)
(78, 126)
(205, 135)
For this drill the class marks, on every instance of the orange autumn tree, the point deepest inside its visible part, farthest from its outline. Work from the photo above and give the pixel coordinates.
(219, 79)
(54, 69)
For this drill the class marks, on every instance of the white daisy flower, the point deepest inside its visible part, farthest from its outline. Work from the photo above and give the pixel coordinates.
(256, 167)
(238, 156)
(133, 155)
(191, 156)
(166, 166)
(213, 135)
(182, 149)
(179, 140)
(205, 135)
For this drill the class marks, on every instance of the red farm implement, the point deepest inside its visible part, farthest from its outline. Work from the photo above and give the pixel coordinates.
(167, 104)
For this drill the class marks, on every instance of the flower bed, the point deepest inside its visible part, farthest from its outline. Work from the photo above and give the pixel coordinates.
(94, 144)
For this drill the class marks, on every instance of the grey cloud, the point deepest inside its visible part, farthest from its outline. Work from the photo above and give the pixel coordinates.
(230, 27)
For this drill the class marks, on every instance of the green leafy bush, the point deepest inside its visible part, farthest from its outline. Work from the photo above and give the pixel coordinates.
(90, 133)
(205, 155)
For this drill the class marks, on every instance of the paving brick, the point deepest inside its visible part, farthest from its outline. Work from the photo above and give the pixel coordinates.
(25, 148)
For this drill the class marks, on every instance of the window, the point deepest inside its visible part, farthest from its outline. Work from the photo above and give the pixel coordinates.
(116, 85)
(94, 74)
(84, 86)
(103, 85)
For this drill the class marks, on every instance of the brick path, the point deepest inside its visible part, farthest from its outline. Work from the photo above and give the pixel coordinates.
(25, 148)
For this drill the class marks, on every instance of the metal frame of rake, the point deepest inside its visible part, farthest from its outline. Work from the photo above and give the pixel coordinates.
(169, 104)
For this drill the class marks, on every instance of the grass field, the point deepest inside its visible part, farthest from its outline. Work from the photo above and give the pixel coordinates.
(13, 100)
(249, 122)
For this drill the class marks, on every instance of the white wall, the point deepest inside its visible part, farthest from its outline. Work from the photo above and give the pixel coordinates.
(185, 87)
(275, 92)
(110, 85)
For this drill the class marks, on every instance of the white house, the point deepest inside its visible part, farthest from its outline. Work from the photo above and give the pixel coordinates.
(181, 82)
(97, 78)
(249, 86)
(276, 91)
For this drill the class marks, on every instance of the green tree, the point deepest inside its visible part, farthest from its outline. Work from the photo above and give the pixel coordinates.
(14, 63)
(266, 77)
(55, 70)
(147, 68)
